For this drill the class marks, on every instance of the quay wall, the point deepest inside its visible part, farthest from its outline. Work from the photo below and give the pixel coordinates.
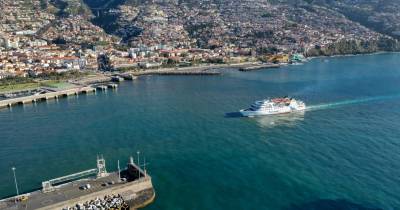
(129, 191)
(175, 72)
(258, 67)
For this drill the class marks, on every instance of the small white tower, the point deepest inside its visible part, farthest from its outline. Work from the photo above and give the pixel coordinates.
(101, 167)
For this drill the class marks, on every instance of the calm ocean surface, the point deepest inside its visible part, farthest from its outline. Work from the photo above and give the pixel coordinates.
(345, 151)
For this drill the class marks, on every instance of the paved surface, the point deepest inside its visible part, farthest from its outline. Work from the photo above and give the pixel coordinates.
(71, 193)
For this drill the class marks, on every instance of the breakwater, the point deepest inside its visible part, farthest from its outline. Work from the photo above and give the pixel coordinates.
(210, 69)
(125, 189)
(45, 96)
(259, 66)
(178, 72)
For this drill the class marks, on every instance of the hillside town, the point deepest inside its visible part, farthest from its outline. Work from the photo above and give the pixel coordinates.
(36, 39)
(219, 104)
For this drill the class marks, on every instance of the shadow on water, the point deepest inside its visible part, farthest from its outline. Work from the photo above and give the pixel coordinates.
(268, 121)
(327, 204)
(233, 115)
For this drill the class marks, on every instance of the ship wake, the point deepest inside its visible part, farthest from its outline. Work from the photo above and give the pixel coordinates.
(352, 102)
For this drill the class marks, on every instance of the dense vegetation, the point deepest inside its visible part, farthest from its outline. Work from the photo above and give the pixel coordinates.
(61, 76)
(356, 47)
(15, 80)
(66, 8)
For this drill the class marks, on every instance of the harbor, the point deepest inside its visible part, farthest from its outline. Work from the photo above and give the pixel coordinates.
(129, 188)
(109, 80)
(90, 84)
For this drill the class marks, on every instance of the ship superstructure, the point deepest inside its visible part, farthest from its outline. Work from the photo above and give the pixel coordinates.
(273, 106)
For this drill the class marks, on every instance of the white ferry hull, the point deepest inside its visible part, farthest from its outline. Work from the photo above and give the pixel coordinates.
(262, 113)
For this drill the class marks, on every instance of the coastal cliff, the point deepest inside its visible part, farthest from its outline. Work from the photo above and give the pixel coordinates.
(349, 47)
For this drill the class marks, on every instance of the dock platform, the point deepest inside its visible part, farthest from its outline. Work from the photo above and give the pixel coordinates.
(55, 95)
(45, 96)
(132, 187)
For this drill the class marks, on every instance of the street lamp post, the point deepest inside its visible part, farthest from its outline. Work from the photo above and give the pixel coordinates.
(144, 167)
(15, 180)
(119, 172)
(138, 153)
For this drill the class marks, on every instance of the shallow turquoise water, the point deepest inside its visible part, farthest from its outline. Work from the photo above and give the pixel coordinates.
(346, 149)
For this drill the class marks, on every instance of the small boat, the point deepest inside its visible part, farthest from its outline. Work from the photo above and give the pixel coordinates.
(273, 106)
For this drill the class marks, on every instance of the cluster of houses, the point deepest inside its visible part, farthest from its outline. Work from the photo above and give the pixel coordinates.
(170, 34)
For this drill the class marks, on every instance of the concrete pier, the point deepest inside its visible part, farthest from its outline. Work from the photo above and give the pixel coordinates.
(133, 184)
(45, 96)
(259, 66)
(177, 72)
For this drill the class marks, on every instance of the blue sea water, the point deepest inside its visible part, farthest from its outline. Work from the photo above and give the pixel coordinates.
(342, 153)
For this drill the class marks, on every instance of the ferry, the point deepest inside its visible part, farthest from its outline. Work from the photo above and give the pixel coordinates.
(273, 106)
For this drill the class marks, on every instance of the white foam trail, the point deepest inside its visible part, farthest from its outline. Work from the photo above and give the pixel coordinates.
(350, 102)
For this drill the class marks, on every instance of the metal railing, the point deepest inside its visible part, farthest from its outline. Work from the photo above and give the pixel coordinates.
(48, 186)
